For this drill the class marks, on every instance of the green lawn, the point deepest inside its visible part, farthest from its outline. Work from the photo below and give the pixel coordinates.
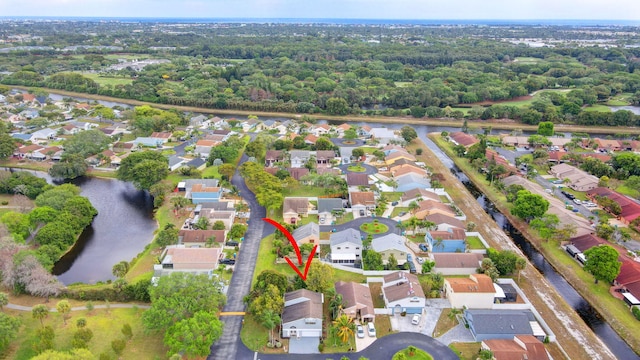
(474, 242)
(597, 107)
(628, 191)
(393, 196)
(105, 326)
(211, 172)
(374, 228)
(398, 209)
(417, 355)
(466, 351)
(444, 199)
(303, 191)
(356, 168)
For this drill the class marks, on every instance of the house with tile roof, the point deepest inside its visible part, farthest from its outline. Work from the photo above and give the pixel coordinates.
(199, 238)
(402, 292)
(307, 234)
(357, 301)
(521, 347)
(475, 292)
(630, 208)
(362, 203)
(456, 263)
(464, 139)
(430, 207)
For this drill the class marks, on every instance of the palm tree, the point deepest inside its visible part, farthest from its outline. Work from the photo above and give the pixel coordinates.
(439, 243)
(335, 303)
(521, 263)
(270, 320)
(345, 327)
(40, 312)
(413, 207)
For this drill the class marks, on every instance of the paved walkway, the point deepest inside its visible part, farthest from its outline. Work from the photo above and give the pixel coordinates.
(77, 308)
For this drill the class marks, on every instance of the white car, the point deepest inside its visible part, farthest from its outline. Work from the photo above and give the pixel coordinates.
(416, 319)
(577, 201)
(371, 329)
(420, 260)
(360, 331)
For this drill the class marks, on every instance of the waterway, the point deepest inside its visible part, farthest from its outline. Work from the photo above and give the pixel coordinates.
(123, 227)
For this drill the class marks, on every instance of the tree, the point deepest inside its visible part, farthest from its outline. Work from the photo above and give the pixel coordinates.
(118, 346)
(227, 170)
(372, 260)
(270, 299)
(504, 261)
(427, 266)
(408, 133)
(127, 331)
(4, 300)
(74, 354)
(57, 233)
(86, 143)
(337, 106)
(9, 327)
(345, 326)
(270, 320)
(7, 146)
(81, 338)
(528, 206)
(488, 268)
(179, 296)
(81, 323)
(144, 169)
(218, 225)
(602, 262)
(357, 153)
(169, 235)
(69, 167)
(193, 336)
(63, 308)
(320, 277)
(392, 262)
(120, 269)
(545, 128)
(40, 312)
(237, 231)
(324, 143)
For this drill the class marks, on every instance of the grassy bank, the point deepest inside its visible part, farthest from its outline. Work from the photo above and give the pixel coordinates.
(355, 118)
(612, 309)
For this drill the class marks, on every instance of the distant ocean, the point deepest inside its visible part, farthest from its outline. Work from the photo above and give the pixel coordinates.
(556, 22)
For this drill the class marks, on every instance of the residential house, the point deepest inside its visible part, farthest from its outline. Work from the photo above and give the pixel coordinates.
(30, 114)
(389, 149)
(451, 240)
(310, 139)
(324, 157)
(608, 145)
(365, 131)
(199, 238)
(201, 193)
(70, 129)
(340, 129)
(521, 347)
(456, 263)
(226, 217)
(302, 320)
(346, 247)
(502, 324)
(299, 158)
(475, 292)
(391, 244)
(44, 134)
(577, 179)
(218, 123)
(294, 208)
(444, 222)
(515, 141)
(418, 195)
(198, 121)
(362, 203)
(411, 181)
(586, 242)
(51, 152)
(430, 207)
(203, 147)
(248, 125)
(629, 278)
(357, 179)
(123, 147)
(307, 234)
(319, 130)
(356, 300)
(147, 142)
(464, 139)
(494, 158)
(183, 258)
(272, 157)
(298, 173)
(161, 137)
(327, 209)
(383, 135)
(27, 151)
(402, 292)
(200, 184)
(23, 137)
(395, 157)
(630, 209)
(556, 156)
(175, 162)
(197, 163)
(266, 125)
(399, 170)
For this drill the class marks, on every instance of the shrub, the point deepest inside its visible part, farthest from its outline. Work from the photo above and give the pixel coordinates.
(636, 312)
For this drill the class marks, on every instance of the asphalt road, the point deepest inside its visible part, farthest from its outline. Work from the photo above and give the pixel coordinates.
(382, 348)
(229, 346)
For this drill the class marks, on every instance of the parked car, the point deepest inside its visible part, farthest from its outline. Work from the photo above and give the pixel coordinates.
(416, 319)
(360, 331)
(232, 243)
(395, 203)
(371, 329)
(577, 201)
(548, 191)
(227, 261)
(420, 260)
(423, 247)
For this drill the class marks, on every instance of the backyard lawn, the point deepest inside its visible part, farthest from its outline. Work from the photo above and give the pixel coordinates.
(466, 351)
(474, 242)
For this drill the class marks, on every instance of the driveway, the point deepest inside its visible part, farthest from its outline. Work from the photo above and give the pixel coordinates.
(229, 346)
(383, 348)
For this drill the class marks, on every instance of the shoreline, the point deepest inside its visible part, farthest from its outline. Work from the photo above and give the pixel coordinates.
(408, 120)
(626, 334)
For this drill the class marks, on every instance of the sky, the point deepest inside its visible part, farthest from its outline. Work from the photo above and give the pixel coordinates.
(354, 9)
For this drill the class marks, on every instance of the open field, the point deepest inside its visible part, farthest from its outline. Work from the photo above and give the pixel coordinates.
(105, 326)
(105, 80)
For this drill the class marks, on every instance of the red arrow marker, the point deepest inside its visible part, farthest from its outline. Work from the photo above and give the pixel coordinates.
(296, 248)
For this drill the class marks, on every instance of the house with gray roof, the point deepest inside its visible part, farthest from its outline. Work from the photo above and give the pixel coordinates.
(327, 209)
(175, 162)
(299, 157)
(500, 324)
(402, 292)
(391, 244)
(302, 320)
(411, 181)
(197, 121)
(346, 247)
(44, 134)
(307, 234)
